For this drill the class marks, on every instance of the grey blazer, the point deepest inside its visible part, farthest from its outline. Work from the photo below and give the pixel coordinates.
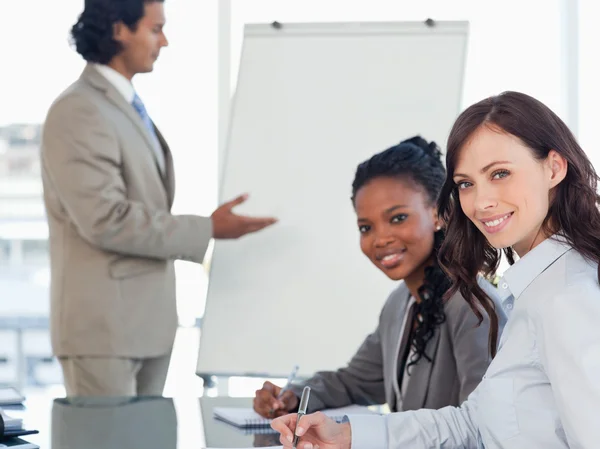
(458, 350)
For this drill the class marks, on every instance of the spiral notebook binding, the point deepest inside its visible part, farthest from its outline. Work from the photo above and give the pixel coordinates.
(252, 423)
(259, 431)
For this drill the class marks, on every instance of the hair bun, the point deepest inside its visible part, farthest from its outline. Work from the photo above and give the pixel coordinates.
(430, 148)
(434, 151)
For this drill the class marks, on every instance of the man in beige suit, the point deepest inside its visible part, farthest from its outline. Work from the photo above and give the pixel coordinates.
(108, 189)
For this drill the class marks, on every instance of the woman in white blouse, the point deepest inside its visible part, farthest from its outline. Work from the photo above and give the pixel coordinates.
(518, 181)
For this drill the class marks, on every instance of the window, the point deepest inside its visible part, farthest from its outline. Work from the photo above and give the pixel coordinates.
(35, 252)
(42, 65)
(4, 252)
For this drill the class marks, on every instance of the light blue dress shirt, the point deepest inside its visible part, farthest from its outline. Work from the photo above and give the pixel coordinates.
(125, 88)
(542, 390)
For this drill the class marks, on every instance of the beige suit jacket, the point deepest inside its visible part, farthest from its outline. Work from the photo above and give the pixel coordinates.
(112, 236)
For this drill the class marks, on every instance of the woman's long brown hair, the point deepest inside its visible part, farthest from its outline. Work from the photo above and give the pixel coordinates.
(573, 210)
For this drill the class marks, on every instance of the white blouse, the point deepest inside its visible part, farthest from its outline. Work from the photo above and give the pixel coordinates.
(542, 390)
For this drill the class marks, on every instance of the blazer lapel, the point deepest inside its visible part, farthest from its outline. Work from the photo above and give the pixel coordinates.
(91, 75)
(169, 176)
(420, 374)
(399, 334)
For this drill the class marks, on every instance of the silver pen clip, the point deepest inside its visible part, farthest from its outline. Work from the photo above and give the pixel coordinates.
(301, 412)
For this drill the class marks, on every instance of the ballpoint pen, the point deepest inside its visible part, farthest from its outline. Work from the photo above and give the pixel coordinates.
(290, 379)
(287, 385)
(301, 412)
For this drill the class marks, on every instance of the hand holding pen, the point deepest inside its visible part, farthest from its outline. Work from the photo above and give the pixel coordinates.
(301, 412)
(314, 431)
(272, 401)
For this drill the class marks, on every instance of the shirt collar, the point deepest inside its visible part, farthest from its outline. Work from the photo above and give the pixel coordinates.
(118, 81)
(518, 277)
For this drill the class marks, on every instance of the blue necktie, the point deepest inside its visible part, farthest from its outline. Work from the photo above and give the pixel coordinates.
(141, 110)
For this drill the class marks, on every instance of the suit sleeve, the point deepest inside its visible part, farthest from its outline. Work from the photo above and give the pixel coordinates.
(81, 160)
(470, 344)
(361, 382)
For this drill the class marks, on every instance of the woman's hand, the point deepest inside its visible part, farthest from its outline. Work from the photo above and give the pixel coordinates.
(315, 431)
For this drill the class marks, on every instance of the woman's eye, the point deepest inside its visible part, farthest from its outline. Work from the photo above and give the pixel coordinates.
(499, 174)
(364, 228)
(463, 185)
(399, 218)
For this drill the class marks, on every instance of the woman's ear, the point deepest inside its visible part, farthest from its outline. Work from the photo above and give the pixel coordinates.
(558, 166)
(437, 223)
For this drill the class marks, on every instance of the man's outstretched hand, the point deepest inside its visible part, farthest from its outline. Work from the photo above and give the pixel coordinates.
(228, 225)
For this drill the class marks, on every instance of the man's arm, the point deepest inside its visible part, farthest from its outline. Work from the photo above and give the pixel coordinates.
(81, 160)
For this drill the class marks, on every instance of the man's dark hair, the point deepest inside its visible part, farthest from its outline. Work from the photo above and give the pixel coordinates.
(92, 35)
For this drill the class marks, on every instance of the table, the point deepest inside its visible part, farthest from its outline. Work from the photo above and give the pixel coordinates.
(133, 423)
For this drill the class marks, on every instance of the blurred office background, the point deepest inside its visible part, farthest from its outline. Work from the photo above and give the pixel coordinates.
(546, 48)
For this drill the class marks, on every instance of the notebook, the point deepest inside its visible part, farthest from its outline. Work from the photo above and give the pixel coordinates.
(245, 417)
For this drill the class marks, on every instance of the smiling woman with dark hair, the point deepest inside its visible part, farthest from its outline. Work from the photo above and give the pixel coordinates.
(427, 350)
